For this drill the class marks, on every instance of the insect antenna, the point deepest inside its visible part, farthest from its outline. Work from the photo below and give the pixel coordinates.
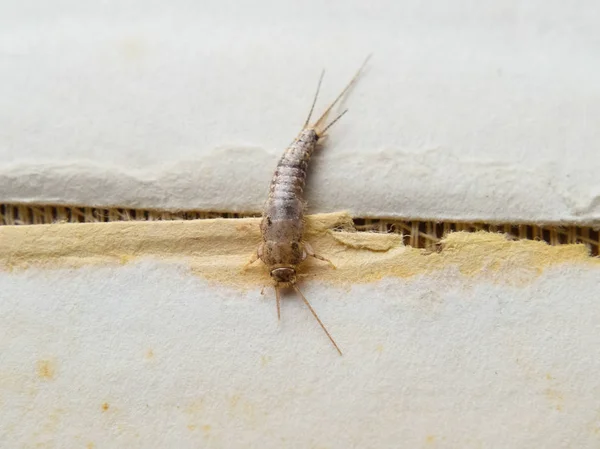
(323, 117)
(295, 287)
(278, 300)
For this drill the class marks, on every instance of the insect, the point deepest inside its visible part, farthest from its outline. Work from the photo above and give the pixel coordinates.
(283, 248)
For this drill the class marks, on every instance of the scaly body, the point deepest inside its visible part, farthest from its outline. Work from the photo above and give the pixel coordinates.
(283, 247)
(282, 226)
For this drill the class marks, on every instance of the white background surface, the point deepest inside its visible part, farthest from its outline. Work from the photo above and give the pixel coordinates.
(435, 361)
(467, 111)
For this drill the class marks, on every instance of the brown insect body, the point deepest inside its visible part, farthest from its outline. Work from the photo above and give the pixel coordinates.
(282, 226)
(283, 247)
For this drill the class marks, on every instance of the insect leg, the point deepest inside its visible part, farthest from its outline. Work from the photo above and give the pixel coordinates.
(254, 257)
(311, 253)
(250, 262)
(295, 287)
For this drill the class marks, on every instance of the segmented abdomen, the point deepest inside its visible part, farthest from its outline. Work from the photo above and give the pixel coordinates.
(286, 203)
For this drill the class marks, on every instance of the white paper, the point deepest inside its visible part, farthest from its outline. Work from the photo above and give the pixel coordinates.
(147, 355)
(466, 111)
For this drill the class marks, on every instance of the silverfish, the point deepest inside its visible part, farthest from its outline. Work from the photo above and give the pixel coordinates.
(283, 247)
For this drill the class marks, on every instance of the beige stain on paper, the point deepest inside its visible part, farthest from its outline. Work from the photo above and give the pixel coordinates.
(218, 249)
(46, 369)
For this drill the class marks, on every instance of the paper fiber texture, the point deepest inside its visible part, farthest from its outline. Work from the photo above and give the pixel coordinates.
(136, 335)
(466, 112)
(218, 249)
